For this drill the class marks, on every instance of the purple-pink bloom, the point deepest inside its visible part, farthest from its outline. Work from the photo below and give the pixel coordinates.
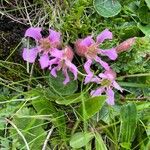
(107, 82)
(44, 46)
(63, 61)
(89, 49)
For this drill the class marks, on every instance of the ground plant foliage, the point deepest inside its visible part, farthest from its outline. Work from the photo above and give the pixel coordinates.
(75, 74)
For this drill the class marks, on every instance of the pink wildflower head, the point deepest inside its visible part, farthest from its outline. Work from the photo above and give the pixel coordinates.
(44, 46)
(83, 46)
(63, 61)
(107, 82)
(88, 48)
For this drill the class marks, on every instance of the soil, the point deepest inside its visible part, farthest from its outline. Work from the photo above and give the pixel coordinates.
(11, 34)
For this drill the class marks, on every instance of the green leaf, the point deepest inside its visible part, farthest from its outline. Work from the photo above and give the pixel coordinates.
(128, 30)
(125, 145)
(148, 145)
(104, 113)
(80, 139)
(144, 29)
(107, 8)
(142, 105)
(45, 107)
(133, 84)
(5, 143)
(56, 84)
(67, 100)
(148, 3)
(91, 106)
(30, 127)
(144, 14)
(99, 143)
(128, 124)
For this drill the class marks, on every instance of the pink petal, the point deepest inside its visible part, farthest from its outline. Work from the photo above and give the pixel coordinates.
(53, 72)
(34, 33)
(102, 63)
(87, 41)
(54, 38)
(68, 53)
(87, 66)
(67, 79)
(30, 55)
(57, 53)
(106, 34)
(110, 97)
(110, 74)
(103, 75)
(88, 79)
(97, 92)
(72, 68)
(44, 61)
(60, 65)
(111, 53)
(53, 62)
(96, 80)
(117, 86)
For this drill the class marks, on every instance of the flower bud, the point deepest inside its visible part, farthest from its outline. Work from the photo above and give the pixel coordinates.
(126, 45)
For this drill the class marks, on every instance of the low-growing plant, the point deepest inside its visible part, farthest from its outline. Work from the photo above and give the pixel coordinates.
(83, 77)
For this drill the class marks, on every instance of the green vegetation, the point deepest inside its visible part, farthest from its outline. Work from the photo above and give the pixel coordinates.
(38, 112)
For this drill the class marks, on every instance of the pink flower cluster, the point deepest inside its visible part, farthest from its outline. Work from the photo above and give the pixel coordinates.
(54, 58)
(89, 48)
(49, 53)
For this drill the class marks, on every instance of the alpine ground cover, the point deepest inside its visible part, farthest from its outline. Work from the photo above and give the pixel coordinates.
(75, 74)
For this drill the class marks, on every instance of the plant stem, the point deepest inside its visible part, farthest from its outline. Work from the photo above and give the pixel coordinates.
(47, 138)
(75, 127)
(27, 146)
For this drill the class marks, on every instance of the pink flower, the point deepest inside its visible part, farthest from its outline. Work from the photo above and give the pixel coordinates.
(89, 49)
(44, 46)
(63, 61)
(107, 81)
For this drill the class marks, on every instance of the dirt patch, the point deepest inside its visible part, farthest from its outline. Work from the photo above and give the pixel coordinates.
(11, 34)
